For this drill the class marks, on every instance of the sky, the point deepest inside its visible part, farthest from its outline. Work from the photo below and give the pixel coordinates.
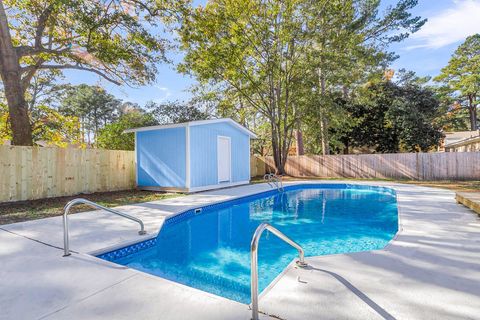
(425, 52)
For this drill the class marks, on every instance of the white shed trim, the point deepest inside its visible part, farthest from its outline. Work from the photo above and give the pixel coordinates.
(136, 160)
(229, 139)
(218, 186)
(187, 156)
(195, 123)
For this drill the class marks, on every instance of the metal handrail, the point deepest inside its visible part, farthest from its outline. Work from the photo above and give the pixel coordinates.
(274, 181)
(66, 209)
(254, 261)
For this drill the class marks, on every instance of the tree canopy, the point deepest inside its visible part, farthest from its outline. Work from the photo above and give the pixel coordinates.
(175, 112)
(112, 136)
(113, 39)
(282, 58)
(92, 105)
(461, 77)
(391, 117)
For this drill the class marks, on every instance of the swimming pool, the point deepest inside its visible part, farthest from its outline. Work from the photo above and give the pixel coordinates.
(209, 248)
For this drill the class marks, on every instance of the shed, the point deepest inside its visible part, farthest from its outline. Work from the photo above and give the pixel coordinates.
(192, 156)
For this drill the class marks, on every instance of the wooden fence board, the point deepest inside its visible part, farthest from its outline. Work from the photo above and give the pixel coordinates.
(410, 166)
(257, 166)
(28, 173)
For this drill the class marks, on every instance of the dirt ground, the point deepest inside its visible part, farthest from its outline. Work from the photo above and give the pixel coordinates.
(43, 208)
(465, 186)
(11, 212)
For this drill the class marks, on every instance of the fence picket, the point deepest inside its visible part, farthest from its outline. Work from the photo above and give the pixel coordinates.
(411, 166)
(28, 173)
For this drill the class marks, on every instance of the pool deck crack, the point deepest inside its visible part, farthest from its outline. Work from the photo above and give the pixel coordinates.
(271, 315)
(35, 240)
(87, 297)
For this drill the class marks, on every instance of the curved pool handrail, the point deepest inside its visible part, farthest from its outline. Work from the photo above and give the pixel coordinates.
(254, 260)
(70, 204)
(274, 180)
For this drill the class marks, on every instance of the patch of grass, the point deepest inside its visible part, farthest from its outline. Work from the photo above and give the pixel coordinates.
(465, 186)
(51, 207)
(43, 208)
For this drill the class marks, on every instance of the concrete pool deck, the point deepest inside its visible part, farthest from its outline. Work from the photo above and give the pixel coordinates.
(431, 270)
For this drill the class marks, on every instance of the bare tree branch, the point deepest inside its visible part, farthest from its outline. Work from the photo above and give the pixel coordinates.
(23, 51)
(79, 67)
(41, 25)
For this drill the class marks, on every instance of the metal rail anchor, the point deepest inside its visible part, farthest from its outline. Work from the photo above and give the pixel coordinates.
(274, 181)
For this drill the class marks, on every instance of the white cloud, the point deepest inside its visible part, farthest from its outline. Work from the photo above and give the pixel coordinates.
(166, 94)
(449, 26)
(162, 88)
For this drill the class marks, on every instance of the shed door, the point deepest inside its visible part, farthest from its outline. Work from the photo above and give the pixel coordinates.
(224, 159)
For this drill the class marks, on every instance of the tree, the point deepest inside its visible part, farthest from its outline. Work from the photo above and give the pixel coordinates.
(252, 47)
(112, 137)
(93, 105)
(112, 39)
(348, 44)
(461, 77)
(264, 54)
(48, 126)
(44, 90)
(5, 131)
(393, 117)
(54, 128)
(175, 112)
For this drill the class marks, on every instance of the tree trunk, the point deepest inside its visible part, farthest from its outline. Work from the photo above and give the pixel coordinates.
(474, 105)
(10, 72)
(473, 113)
(324, 136)
(346, 149)
(18, 110)
(276, 149)
(323, 121)
(299, 141)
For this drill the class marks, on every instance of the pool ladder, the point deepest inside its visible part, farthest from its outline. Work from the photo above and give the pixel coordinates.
(274, 181)
(254, 261)
(69, 205)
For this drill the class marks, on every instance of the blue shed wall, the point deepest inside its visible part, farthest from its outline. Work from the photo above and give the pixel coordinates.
(203, 153)
(161, 158)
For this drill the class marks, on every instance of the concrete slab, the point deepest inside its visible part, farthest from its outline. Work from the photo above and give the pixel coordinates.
(430, 271)
(146, 297)
(35, 280)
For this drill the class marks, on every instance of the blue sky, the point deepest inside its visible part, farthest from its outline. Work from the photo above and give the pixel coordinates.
(425, 52)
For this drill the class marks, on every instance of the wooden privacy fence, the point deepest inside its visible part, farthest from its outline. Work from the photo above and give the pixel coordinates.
(257, 166)
(413, 166)
(28, 173)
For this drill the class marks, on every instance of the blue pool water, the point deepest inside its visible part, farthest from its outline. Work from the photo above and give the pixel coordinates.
(210, 250)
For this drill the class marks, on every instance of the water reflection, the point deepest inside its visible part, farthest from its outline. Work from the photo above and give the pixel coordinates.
(210, 251)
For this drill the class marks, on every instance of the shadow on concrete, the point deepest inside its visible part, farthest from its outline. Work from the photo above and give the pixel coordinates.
(378, 309)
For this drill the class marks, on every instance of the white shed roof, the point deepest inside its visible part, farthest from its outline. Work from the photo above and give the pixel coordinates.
(194, 123)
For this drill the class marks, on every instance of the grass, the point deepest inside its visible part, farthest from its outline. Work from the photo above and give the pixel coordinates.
(464, 186)
(43, 208)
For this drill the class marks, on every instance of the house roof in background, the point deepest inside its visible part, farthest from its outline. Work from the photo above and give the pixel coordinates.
(459, 137)
(194, 123)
